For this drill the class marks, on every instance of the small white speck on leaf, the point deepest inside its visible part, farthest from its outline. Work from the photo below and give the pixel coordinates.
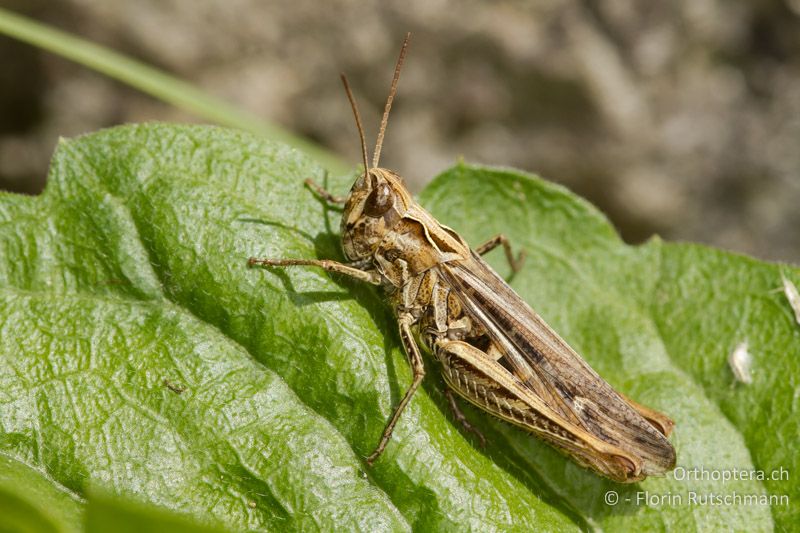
(790, 290)
(741, 363)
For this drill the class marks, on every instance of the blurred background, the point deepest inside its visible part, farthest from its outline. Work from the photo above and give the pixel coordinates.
(678, 118)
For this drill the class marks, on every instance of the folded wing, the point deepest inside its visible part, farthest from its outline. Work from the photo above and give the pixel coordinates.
(552, 370)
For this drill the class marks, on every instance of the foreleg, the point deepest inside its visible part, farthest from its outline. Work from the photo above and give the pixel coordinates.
(330, 198)
(327, 264)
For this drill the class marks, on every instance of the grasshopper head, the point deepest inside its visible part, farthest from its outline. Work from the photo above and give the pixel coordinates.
(376, 203)
(378, 199)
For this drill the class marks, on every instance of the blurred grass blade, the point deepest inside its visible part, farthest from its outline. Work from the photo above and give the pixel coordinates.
(156, 83)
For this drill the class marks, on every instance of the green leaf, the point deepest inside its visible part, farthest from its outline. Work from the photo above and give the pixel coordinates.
(127, 281)
(32, 502)
(657, 321)
(140, 355)
(106, 512)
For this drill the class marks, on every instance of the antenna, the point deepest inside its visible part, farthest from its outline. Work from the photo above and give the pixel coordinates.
(358, 123)
(379, 144)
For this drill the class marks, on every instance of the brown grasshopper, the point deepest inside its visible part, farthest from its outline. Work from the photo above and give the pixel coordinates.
(495, 351)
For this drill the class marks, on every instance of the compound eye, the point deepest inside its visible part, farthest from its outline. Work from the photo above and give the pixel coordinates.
(379, 201)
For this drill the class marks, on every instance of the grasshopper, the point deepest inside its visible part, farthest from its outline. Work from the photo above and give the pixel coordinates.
(494, 350)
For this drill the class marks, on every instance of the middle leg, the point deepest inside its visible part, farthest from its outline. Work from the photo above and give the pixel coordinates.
(497, 240)
(415, 358)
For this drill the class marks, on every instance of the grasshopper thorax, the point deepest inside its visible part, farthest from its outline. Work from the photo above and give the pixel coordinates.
(376, 203)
